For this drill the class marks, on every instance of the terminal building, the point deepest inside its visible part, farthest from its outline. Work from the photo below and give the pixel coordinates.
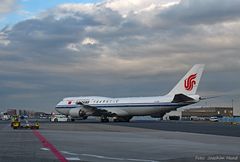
(199, 112)
(208, 112)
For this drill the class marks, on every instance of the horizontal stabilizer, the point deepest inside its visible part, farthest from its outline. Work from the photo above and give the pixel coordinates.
(210, 97)
(181, 98)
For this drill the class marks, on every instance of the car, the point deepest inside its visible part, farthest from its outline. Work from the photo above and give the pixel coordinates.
(213, 119)
(59, 118)
(6, 117)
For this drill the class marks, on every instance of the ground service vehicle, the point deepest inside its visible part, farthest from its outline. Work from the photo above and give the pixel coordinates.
(18, 124)
(59, 118)
(213, 119)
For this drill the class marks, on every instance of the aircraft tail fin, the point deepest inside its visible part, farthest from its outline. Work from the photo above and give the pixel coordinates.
(189, 83)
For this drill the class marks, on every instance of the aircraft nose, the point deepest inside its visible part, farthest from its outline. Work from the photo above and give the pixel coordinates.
(58, 107)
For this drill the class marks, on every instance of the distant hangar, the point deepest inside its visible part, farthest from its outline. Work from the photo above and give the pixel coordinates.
(199, 112)
(208, 112)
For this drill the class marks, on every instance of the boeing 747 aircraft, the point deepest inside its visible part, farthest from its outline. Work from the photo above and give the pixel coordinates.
(123, 109)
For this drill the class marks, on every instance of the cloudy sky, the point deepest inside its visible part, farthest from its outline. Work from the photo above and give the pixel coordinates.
(115, 48)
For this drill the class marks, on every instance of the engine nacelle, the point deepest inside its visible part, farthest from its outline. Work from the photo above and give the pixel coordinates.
(77, 112)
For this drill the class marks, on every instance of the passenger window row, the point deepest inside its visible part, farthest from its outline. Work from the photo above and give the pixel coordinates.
(105, 101)
(96, 101)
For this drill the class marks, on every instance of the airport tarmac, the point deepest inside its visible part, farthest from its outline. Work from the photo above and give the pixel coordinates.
(106, 142)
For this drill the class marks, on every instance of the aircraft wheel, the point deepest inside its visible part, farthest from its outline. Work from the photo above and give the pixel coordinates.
(122, 119)
(104, 120)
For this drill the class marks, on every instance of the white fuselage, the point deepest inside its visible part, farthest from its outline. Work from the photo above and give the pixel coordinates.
(130, 106)
(124, 108)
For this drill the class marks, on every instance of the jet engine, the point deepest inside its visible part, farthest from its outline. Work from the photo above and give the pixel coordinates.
(77, 112)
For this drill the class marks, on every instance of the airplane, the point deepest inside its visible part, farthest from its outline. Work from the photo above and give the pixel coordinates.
(123, 109)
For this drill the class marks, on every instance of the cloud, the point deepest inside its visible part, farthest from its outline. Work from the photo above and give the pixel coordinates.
(7, 6)
(4, 39)
(138, 6)
(202, 12)
(120, 48)
(21, 85)
(89, 41)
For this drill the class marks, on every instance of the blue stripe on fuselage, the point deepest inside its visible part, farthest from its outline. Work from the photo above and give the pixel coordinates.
(126, 105)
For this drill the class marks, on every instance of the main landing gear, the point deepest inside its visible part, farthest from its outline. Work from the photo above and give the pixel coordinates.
(122, 119)
(104, 119)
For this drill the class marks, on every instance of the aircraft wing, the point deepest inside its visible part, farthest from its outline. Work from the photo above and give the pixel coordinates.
(94, 110)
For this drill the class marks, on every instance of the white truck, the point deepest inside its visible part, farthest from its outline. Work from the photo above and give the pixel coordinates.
(5, 117)
(59, 118)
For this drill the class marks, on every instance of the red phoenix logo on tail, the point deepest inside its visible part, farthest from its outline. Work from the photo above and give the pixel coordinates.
(190, 82)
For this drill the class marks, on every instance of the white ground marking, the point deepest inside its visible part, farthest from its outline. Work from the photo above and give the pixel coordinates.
(107, 158)
(120, 159)
(102, 157)
(73, 158)
(45, 149)
(69, 153)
